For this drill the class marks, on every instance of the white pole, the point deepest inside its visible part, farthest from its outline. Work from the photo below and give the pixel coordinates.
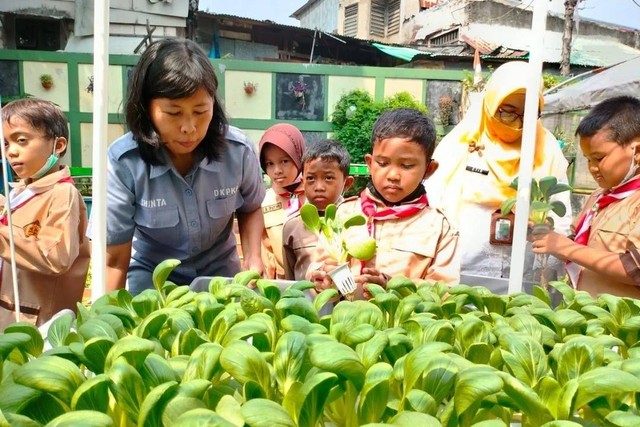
(100, 120)
(538, 29)
(7, 209)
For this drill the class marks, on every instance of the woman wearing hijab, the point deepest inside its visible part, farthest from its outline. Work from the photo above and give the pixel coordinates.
(478, 160)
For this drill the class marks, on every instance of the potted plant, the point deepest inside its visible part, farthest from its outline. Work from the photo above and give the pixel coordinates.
(250, 87)
(445, 109)
(329, 230)
(540, 207)
(46, 80)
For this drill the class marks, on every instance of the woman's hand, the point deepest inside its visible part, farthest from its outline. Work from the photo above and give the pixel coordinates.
(551, 243)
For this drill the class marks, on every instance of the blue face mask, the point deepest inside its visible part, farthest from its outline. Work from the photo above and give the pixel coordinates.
(51, 161)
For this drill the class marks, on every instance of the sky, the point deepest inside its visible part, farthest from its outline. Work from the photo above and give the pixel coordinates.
(621, 12)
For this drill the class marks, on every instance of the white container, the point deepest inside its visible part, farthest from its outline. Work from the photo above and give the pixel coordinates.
(343, 279)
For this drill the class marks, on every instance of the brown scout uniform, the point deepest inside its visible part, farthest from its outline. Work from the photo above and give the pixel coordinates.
(52, 252)
(298, 248)
(616, 228)
(421, 246)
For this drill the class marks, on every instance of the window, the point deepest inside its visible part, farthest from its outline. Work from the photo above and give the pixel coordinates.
(385, 18)
(449, 37)
(351, 20)
(38, 34)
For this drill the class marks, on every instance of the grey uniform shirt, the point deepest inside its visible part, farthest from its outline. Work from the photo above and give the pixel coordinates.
(189, 218)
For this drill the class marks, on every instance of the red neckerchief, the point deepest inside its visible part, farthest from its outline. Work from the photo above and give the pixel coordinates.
(374, 210)
(292, 203)
(21, 201)
(584, 224)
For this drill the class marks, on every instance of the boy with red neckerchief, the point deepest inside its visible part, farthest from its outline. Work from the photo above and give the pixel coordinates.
(603, 256)
(413, 239)
(48, 215)
(280, 150)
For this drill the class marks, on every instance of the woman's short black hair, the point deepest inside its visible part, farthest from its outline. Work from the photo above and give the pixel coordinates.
(172, 68)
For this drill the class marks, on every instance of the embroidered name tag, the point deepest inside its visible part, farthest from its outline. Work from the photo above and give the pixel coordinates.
(477, 170)
(272, 208)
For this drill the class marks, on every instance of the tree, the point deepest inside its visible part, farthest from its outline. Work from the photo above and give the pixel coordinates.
(567, 35)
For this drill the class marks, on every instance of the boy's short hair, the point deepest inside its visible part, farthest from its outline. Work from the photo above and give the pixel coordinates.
(406, 123)
(620, 116)
(41, 115)
(328, 150)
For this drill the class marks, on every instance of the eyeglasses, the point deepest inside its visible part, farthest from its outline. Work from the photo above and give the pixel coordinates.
(508, 117)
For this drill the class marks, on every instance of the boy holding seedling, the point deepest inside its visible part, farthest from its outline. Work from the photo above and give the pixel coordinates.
(603, 255)
(281, 148)
(325, 175)
(413, 239)
(48, 216)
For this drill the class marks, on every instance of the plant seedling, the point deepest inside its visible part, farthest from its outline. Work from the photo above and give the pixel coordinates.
(329, 231)
(540, 204)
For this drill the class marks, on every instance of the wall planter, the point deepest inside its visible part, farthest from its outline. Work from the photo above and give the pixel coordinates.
(46, 80)
(250, 87)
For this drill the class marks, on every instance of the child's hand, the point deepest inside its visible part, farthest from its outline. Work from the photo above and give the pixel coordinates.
(370, 275)
(551, 243)
(321, 277)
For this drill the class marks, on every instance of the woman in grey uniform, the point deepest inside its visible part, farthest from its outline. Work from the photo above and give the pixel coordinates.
(177, 178)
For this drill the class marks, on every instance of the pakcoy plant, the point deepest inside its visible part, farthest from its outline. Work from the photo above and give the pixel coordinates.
(541, 203)
(329, 230)
(415, 354)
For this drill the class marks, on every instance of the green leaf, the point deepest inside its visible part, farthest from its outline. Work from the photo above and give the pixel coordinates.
(156, 370)
(526, 399)
(370, 351)
(473, 385)
(16, 397)
(154, 403)
(44, 408)
(17, 420)
(311, 218)
(576, 357)
(604, 381)
(623, 419)
(375, 393)
(229, 409)
(315, 392)
(525, 357)
(507, 206)
(9, 342)
(87, 418)
(440, 377)
(162, 271)
(340, 359)
(359, 334)
(94, 353)
(133, 349)
(559, 188)
(300, 306)
(34, 347)
(245, 363)
(92, 394)
(546, 184)
(50, 374)
(420, 401)
(354, 221)
(417, 361)
(191, 340)
(59, 330)
(146, 302)
(127, 387)
(558, 208)
(323, 298)
(199, 417)
(244, 329)
(293, 323)
(412, 419)
(290, 360)
(570, 320)
(266, 413)
(203, 362)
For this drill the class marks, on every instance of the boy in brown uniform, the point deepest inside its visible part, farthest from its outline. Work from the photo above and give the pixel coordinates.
(48, 214)
(325, 175)
(604, 255)
(414, 239)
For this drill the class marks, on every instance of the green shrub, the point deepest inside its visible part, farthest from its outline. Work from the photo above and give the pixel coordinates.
(356, 112)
